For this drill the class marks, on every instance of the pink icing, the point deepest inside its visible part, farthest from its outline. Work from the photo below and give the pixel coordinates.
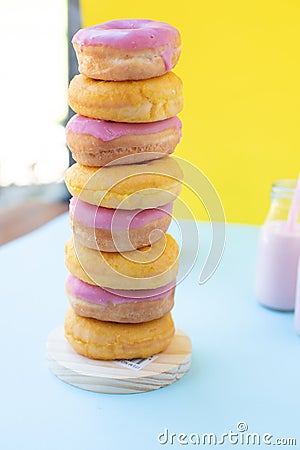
(115, 219)
(101, 296)
(131, 34)
(108, 131)
(167, 56)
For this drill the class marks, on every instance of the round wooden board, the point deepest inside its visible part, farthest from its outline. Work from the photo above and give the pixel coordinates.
(111, 377)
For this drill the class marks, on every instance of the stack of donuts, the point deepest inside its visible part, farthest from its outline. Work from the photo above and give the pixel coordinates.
(122, 263)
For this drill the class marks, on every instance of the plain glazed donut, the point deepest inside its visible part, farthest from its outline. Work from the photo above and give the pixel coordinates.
(133, 49)
(97, 339)
(147, 268)
(127, 101)
(95, 142)
(133, 186)
(122, 230)
(119, 306)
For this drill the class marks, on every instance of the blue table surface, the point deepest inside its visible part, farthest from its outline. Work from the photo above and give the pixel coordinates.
(245, 367)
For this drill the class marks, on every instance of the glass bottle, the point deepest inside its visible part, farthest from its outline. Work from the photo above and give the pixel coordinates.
(297, 305)
(278, 252)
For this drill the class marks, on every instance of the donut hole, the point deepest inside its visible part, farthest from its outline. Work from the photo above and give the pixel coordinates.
(128, 24)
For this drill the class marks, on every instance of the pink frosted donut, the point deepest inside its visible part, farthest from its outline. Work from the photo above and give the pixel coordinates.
(116, 305)
(95, 142)
(132, 49)
(121, 230)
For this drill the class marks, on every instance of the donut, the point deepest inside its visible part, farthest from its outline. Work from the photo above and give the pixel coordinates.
(133, 49)
(147, 268)
(132, 186)
(122, 230)
(95, 142)
(97, 339)
(118, 305)
(127, 101)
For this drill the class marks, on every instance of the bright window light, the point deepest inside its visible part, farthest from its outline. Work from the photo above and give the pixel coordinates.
(33, 91)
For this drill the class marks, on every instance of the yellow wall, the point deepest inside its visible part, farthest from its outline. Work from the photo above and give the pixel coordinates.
(240, 66)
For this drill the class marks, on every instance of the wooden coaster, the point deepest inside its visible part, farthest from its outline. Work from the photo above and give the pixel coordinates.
(111, 377)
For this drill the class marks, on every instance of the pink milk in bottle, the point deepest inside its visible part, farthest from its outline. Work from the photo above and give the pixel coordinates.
(278, 252)
(297, 305)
